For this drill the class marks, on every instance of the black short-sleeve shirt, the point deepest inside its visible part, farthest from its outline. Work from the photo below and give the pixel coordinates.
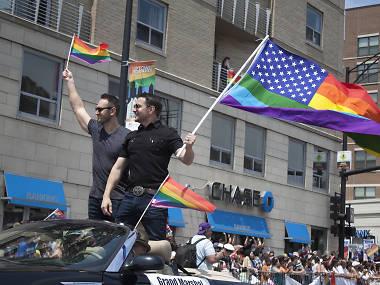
(106, 150)
(148, 151)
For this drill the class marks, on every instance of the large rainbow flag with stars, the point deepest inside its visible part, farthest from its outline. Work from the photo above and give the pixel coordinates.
(286, 86)
(173, 195)
(89, 55)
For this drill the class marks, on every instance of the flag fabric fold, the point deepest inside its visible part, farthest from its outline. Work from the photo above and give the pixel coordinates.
(174, 195)
(89, 55)
(286, 86)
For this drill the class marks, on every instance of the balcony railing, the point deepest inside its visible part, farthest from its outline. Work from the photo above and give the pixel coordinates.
(247, 15)
(58, 15)
(219, 77)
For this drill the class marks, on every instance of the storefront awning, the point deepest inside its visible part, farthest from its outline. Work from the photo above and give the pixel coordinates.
(175, 217)
(236, 223)
(297, 233)
(33, 192)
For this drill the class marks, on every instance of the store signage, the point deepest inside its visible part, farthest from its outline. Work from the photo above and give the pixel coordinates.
(362, 233)
(35, 196)
(244, 197)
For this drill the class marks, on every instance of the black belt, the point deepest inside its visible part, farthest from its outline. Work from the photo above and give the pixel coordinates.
(140, 190)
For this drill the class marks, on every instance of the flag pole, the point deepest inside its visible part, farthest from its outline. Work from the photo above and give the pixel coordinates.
(257, 50)
(50, 215)
(68, 57)
(150, 202)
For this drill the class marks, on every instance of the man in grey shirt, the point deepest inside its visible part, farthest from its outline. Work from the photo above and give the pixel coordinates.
(107, 139)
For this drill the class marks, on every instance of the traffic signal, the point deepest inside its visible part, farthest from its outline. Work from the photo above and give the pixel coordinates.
(349, 232)
(336, 207)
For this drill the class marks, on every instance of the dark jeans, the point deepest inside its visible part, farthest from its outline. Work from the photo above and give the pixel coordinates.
(154, 220)
(95, 212)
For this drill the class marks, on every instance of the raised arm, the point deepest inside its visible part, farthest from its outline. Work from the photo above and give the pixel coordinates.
(187, 155)
(113, 179)
(76, 102)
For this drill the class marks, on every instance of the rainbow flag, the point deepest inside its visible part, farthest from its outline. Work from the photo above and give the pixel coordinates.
(286, 86)
(327, 280)
(173, 195)
(83, 52)
(332, 280)
(231, 75)
(56, 215)
(372, 250)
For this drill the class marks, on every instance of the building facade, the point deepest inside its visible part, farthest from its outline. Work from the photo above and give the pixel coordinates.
(361, 48)
(289, 167)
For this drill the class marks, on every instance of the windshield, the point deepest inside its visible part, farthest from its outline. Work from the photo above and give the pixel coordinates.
(87, 245)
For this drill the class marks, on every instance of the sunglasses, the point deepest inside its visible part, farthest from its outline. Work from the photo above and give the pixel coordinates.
(100, 109)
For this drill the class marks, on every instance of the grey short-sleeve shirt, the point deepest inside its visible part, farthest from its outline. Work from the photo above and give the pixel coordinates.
(106, 149)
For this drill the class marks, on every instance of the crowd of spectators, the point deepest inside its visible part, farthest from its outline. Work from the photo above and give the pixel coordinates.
(250, 261)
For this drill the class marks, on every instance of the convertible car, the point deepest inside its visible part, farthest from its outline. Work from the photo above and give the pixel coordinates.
(87, 252)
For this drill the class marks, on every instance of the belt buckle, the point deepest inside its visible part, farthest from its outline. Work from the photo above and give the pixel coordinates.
(138, 191)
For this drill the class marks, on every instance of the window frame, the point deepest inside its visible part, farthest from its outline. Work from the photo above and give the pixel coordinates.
(366, 77)
(368, 46)
(262, 158)
(138, 22)
(365, 188)
(316, 11)
(222, 149)
(293, 169)
(179, 118)
(59, 90)
(326, 189)
(371, 93)
(365, 159)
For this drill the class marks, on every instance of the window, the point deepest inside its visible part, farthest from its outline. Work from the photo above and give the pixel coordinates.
(367, 75)
(373, 96)
(368, 45)
(296, 162)
(222, 137)
(113, 86)
(171, 113)
(313, 26)
(364, 160)
(320, 169)
(40, 93)
(254, 149)
(151, 22)
(364, 193)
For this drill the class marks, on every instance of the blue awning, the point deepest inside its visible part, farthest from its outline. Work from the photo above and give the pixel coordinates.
(33, 192)
(236, 223)
(175, 217)
(297, 233)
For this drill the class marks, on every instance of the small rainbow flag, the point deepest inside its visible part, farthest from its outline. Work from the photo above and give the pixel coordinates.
(327, 281)
(83, 52)
(173, 195)
(231, 75)
(332, 280)
(56, 215)
(372, 250)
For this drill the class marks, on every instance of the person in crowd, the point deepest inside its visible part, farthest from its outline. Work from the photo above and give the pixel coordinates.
(107, 138)
(224, 73)
(147, 152)
(206, 254)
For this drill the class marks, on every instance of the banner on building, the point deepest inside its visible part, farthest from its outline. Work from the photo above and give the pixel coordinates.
(141, 78)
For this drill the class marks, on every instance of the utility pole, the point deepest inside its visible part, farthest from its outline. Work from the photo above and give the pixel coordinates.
(123, 90)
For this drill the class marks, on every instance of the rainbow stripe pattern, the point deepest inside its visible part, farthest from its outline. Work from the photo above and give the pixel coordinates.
(286, 86)
(173, 195)
(89, 55)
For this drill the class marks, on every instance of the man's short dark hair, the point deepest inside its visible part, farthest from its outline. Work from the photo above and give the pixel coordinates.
(113, 100)
(152, 100)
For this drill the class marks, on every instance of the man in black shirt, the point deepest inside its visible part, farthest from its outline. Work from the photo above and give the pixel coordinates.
(107, 139)
(147, 151)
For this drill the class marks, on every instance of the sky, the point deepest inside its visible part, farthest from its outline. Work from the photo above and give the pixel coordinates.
(360, 3)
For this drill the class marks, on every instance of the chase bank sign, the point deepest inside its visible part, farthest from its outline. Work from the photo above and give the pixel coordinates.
(239, 196)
